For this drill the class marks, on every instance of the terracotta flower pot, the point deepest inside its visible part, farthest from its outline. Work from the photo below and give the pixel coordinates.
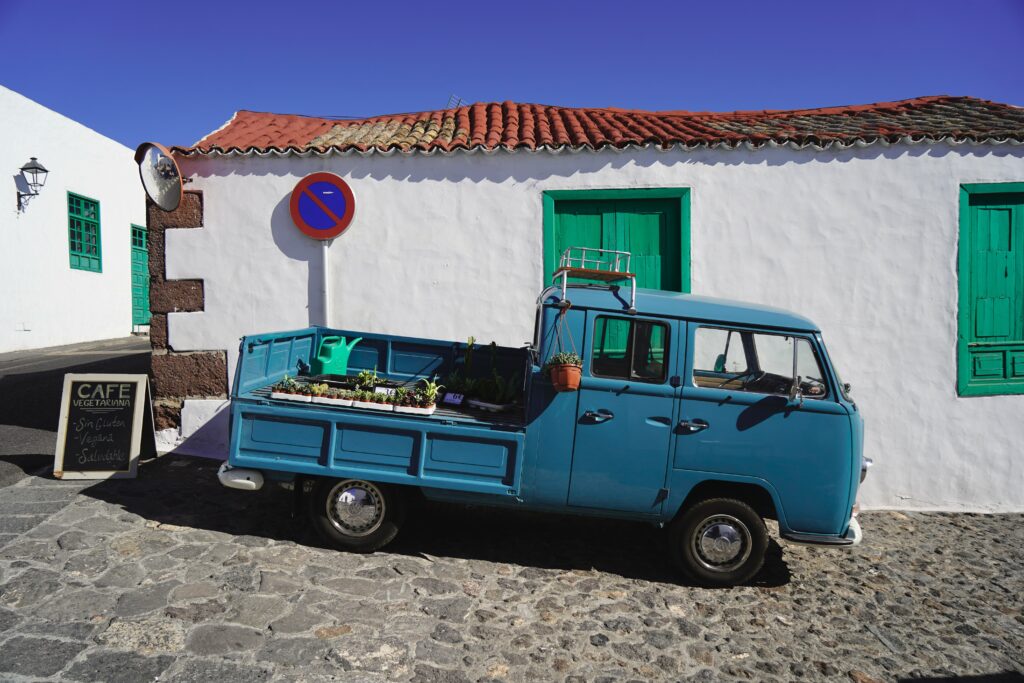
(566, 377)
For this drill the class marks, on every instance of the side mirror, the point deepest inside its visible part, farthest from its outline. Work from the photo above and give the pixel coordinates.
(720, 363)
(796, 397)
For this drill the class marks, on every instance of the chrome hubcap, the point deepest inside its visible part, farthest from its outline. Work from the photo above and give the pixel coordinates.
(355, 508)
(721, 543)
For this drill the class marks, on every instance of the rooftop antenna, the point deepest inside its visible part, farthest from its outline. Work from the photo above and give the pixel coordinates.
(454, 101)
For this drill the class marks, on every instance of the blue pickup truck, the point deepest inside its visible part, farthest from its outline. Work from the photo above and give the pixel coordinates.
(703, 415)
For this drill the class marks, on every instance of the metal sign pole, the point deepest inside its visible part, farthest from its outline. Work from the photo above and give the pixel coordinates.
(322, 207)
(325, 290)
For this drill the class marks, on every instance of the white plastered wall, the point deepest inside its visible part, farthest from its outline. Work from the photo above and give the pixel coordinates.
(44, 301)
(862, 241)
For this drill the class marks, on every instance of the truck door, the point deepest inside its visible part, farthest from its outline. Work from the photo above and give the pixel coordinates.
(624, 418)
(738, 418)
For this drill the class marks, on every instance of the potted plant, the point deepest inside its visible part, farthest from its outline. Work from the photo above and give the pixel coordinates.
(496, 394)
(381, 401)
(367, 380)
(290, 390)
(318, 392)
(565, 369)
(284, 389)
(362, 399)
(422, 401)
(403, 399)
(421, 404)
(330, 396)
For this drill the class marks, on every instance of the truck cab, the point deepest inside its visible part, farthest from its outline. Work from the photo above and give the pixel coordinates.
(701, 415)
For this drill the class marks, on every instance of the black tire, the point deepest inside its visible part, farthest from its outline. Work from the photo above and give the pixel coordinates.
(703, 542)
(362, 529)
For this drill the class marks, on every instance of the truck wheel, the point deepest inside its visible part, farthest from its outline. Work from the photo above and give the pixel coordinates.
(356, 515)
(719, 542)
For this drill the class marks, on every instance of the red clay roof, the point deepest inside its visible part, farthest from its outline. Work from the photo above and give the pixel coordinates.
(512, 126)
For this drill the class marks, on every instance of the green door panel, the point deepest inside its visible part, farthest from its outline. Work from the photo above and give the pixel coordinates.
(581, 224)
(140, 276)
(994, 257)
(651, 230)
(992, 290)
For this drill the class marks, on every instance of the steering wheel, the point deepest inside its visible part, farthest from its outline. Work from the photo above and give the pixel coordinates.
(754, 377)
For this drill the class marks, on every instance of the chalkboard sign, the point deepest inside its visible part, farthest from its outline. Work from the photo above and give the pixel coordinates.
(103, 421)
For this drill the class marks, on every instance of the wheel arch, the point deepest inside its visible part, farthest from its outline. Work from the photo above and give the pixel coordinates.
(758, 496)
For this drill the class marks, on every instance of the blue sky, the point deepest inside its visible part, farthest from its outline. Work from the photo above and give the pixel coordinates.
(173, 71)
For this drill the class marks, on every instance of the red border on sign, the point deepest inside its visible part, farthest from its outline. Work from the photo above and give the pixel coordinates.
(342, 221)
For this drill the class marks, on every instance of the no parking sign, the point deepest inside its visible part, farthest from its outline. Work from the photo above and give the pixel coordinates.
(322, 205)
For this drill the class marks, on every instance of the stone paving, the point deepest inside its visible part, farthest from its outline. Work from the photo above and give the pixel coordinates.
(170, 577)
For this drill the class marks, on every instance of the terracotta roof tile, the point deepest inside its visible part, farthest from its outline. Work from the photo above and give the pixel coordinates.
(511, 126)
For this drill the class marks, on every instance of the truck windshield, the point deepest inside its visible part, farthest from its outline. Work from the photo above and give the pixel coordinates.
(844, 388)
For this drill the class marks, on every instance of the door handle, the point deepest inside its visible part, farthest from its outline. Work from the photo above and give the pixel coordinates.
(693, 426)
(599, 416)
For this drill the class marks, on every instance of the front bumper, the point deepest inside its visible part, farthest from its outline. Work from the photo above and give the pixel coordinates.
(854, 533)
(852, 537)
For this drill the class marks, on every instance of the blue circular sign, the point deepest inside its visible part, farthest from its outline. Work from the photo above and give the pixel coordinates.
(322, 205)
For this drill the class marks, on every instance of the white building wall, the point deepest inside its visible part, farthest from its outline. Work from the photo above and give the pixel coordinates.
(862, 241)
(44, 301)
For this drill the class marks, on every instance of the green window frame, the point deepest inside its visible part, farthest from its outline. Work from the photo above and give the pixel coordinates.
(679, 194)
(84, 238)
(990, 366)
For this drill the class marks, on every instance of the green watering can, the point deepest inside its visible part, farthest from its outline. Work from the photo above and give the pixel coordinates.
(332, 359)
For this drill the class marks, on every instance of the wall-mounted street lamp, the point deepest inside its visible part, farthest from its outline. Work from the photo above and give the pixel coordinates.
(33, 176)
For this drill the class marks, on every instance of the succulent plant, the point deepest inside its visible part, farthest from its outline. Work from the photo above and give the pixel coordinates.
(430, 389)
(367, 379)
(286, 386)
(564, 358)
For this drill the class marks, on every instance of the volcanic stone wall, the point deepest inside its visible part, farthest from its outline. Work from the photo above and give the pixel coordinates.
(177, 375)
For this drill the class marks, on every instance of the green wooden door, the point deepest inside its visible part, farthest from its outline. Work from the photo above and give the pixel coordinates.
(140, 276)
(995, 296)
(650, 229)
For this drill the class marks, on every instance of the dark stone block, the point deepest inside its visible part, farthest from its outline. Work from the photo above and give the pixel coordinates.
(200, 374)
(168, 296)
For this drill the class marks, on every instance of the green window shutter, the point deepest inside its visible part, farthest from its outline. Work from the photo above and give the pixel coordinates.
(84, 245)
(651, 224)
(581, 224)
(651, 231)
(991, 281)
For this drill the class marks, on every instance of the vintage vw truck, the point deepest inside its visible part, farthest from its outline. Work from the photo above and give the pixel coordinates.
(703, 415)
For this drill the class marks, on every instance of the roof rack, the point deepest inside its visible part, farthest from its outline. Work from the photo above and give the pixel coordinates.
(603, 265)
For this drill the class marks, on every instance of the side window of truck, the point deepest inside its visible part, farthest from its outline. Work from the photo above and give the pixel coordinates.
(741, 360)
(624, 348)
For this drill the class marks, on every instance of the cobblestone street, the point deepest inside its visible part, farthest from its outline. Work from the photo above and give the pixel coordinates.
(173, 577)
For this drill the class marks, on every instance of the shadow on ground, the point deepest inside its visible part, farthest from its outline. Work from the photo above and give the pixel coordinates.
(32, 399)
(185, 492)
(28, 463)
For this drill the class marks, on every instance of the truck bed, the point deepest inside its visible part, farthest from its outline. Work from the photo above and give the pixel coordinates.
(456, 448)
(513, 419)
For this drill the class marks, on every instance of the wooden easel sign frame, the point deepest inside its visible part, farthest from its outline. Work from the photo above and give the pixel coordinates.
(103, 421)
